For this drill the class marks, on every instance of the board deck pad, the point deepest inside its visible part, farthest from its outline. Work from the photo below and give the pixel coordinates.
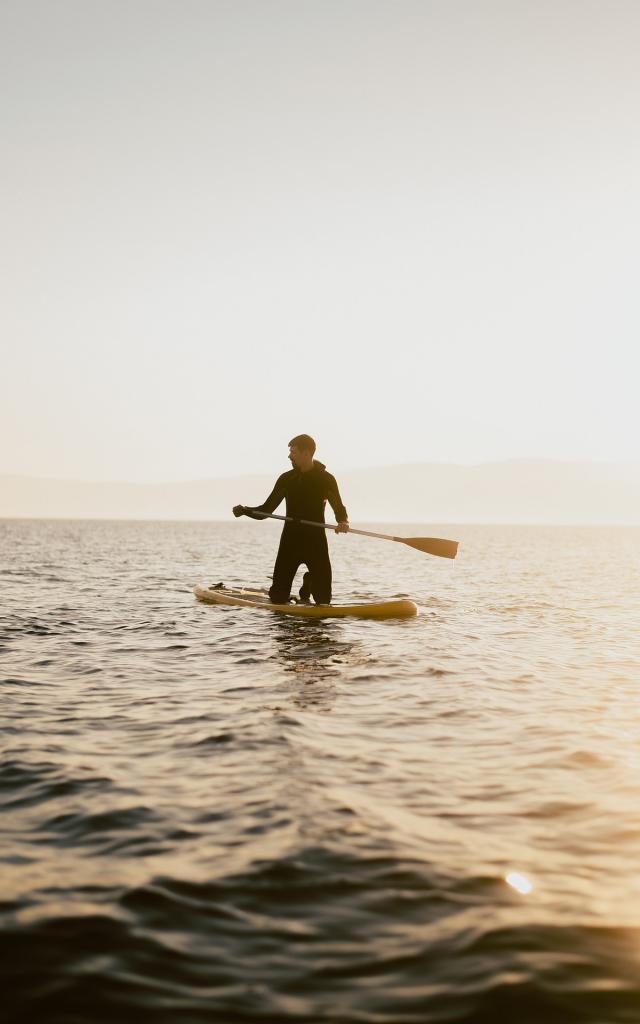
(241, 597)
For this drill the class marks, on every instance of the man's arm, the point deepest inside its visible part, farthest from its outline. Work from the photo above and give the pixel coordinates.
(334, 499)
(270, 505)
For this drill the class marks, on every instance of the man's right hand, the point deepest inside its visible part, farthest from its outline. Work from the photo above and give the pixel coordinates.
(238, 510)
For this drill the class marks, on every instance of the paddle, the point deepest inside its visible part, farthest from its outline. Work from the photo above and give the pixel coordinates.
(429, 545)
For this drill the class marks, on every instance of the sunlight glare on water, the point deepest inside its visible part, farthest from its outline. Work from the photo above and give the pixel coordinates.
(519, 883)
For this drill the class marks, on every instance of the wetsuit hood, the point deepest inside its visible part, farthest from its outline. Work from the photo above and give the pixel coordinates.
(317, 467)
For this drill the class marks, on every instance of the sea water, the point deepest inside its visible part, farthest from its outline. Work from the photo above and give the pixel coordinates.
(215, 814)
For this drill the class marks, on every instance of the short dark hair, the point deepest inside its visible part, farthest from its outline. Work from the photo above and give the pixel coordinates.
(304, 443)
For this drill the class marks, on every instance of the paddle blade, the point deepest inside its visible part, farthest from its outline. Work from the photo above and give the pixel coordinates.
(432, 546)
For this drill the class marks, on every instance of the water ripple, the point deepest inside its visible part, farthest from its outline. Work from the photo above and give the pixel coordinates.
(217, 815)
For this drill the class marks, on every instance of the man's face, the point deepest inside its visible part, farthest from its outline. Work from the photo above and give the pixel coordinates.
(295, 455)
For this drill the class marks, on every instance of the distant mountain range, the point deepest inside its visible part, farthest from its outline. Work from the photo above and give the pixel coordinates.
(515, 491)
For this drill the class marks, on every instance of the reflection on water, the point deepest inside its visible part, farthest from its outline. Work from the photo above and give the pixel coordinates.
(314, 653)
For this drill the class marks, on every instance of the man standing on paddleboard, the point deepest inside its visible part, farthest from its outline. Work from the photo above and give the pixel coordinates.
(306, 489)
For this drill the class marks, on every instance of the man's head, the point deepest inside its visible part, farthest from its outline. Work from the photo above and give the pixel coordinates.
(301, 451)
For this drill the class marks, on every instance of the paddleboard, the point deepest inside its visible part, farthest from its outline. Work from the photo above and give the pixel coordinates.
(242, 598)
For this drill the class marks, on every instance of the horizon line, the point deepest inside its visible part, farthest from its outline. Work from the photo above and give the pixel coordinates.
(364, 522)
(352, 469)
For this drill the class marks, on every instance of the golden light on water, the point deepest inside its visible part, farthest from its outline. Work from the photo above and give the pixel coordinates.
(519, 882)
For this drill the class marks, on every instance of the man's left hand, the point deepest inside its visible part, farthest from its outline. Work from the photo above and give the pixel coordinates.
(342, 528)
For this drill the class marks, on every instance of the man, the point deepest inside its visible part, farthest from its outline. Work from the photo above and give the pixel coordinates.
(306, 489)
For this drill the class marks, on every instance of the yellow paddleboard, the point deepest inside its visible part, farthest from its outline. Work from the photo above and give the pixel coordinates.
(240, 598)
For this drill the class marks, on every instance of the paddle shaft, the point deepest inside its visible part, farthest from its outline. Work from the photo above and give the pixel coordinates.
(323, 526)
(428, 545)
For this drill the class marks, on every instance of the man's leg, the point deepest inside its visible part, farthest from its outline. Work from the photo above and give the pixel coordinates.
(287, 563)
(319, 575)
(305, 589)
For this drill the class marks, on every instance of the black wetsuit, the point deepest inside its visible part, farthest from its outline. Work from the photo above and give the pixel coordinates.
(306, 495)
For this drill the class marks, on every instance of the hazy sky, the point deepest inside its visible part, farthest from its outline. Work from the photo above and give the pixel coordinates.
(409, 228)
